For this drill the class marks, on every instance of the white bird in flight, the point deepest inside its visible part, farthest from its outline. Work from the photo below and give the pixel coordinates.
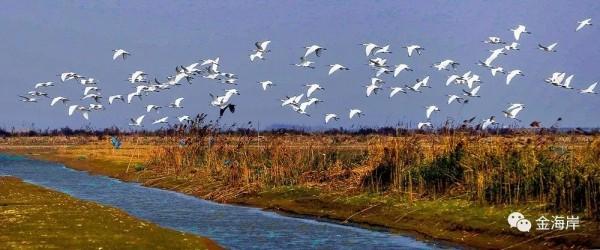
(183, 118)
(369, 47)
(400, 67)
(556, 78)
(328, 117)
(422, 125)
(303, 106)
(520, 29)
(581, 24)
(494, 40)
(266, 84)
(413, 48)
(488, 122)
(163, 120)
(64, 100)
(257, 54)
(137, 122)
(512, 46)
(137, 76)
(473, 92)
(355, 112)
(131, 95)
(318, 50)
(43, 85)
(28, 99)
(112, 98)
(443, 65)
(335, 67)
(493, 56)
(396, 90)
(304, 63)
(549, 48)
(261, 46)
(567, 83)
(497, 70)
(430, 109)
(294, 100)
(152, 107)
(372, 89)
(589, 89)
(87, 90)
(416, 87)
(312, 88)
(82, 109)
(89, 81)
(176, 103)
(383, 50)
(513, 111)
(96, 97)
(452, 98)
(120, 53)
(512, 75)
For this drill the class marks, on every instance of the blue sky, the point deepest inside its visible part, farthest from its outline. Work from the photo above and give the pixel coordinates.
(44, 38)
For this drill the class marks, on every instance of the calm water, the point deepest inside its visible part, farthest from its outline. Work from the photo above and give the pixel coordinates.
(234, 227)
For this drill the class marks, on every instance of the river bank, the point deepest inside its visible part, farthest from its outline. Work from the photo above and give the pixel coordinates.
(448, 219)
(36, 217)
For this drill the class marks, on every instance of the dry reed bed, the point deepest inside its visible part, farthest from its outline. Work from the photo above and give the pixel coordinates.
(557, 172)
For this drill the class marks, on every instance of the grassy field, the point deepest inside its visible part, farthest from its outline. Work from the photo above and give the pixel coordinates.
(32, 217)
(458, 188)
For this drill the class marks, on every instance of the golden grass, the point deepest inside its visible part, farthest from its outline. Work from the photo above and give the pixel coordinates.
(32, 217)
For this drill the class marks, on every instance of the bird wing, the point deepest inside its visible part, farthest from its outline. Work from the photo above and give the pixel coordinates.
(417, 85)
(517, 34)
(590, 88)
(513, 112)
(580, 26)
(567, 82)
(72, 109)
(429, 110)
(139, 120)
(265, 44)
(451, 79)
(130, 96)
(369, 48)
(410, 50)
(475, 90)
(510, 76)
(490, 59)
(298, 98)
(394, 91)
(178, 101)
(309, 51)
(425, 80)
(117, 54)
(452, 98)
(551, 46)
(86, 115)
(55, 100)
(398, 69)
(352, 113)
(63, 76)
(333, 69)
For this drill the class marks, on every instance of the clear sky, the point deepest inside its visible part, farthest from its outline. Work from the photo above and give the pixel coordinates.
(41, 39)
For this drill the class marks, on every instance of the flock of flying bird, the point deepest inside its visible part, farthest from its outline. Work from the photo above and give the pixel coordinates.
(210, 69)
